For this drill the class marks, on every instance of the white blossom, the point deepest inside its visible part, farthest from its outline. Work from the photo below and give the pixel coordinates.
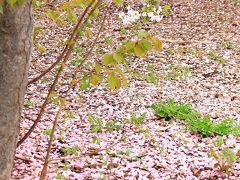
(132, 15)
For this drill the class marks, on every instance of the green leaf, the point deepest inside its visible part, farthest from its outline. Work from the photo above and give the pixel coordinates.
(166, 10)
(147, 45)
(88, 33)
(60, 177)
(108, 59)
(139, 51)
(213, 153)
(95, 13)
(118, 57)
(153, 78)
(124, 78)
(47, 132)
(158, 44)
(97, 68)
(130, 45)
(85, 84)
(72, 17)
(229, 155)
(96, 140)
(113, 125)
(76, 62)
(142, 34)
(94, 79)
(96, 124)
(53, 14)
(113, 81)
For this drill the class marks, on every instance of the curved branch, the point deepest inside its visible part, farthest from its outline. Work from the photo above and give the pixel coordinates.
(46, 161)
(42, 110)
(45, 166)
(67, 47)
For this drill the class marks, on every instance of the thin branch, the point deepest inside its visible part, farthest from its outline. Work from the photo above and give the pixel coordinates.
(45, 165)
(42, 110)
(87, 54)
(67, 47)
(27, 160)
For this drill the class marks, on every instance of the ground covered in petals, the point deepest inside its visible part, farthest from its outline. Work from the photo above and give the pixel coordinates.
(199, 65)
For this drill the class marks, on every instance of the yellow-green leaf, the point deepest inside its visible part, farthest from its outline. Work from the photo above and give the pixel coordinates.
(118, 2)
(142, 34)
(213, 153)
(112, 81)
(118, 57)
(108, 59)
(139, 51)
(95, 13)
(97, 68)
(88, 33)
(37, 30)
(146, 45)
(53, 14)
(124, 79)
(94, 79)
(118, 83)
(158, 44)
(129, 45)
(41, 49)
(63, 66)
(77, 3)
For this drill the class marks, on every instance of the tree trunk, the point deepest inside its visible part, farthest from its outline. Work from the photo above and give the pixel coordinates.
(15, 55)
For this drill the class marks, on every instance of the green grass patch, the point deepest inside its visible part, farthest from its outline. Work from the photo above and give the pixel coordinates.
(194, 121)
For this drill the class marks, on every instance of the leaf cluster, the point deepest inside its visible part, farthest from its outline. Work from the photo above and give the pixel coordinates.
(136, 120)
(173, 110)
(206, 127)
(214, 56)
(97, 125)
(113, 126)
(69, 150)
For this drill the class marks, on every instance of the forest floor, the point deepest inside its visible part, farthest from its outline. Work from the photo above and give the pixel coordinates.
(197, 35)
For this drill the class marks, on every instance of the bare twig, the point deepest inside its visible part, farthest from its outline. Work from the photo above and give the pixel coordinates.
(42, 110)
(45, 165)
(23, 159)
(67, 47)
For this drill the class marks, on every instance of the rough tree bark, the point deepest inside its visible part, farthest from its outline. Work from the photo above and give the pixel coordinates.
(15, 55)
